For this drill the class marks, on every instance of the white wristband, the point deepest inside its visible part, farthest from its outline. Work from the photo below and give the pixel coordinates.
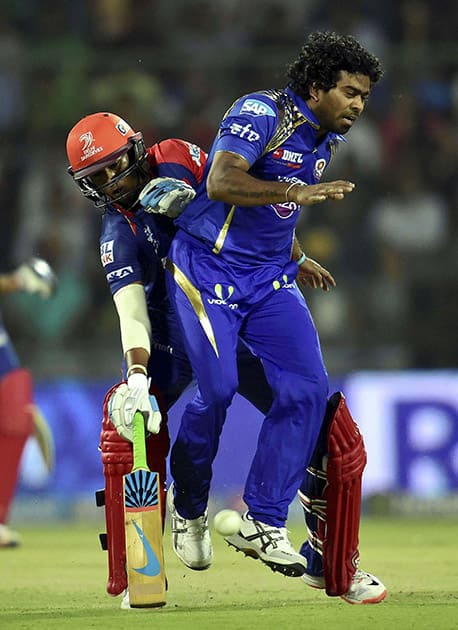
(137, 380)
(302, 258)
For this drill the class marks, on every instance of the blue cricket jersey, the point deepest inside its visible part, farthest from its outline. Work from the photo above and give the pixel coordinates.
(276, 132)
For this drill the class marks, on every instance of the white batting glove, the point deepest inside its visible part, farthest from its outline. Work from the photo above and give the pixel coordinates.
(167, 196)
(36, 276)
(129, 398)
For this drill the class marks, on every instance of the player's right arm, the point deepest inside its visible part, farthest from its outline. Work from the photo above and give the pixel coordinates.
(229, 181)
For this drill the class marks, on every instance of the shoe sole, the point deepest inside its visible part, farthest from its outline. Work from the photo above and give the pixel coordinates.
(313, 581)
(370, 600)
(294, 569)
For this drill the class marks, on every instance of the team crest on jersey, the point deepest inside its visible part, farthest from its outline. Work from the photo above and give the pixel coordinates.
(256, 108)
(107, 253)
(320, 165)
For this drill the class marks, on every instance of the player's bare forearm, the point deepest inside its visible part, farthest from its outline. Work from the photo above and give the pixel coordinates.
(229, 181)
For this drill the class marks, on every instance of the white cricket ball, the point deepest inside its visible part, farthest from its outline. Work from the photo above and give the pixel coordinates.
(227, 522)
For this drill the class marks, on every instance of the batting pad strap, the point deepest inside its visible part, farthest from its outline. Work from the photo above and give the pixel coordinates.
(133, 317)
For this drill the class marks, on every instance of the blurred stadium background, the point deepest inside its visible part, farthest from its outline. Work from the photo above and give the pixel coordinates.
(389, 331)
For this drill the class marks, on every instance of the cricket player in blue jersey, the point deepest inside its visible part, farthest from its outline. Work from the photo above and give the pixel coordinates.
(232, 270)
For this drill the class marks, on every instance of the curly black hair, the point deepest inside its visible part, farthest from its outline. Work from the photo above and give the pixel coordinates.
(323, 56)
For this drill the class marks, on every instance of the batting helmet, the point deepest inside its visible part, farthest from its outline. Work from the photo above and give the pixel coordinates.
(98, 141)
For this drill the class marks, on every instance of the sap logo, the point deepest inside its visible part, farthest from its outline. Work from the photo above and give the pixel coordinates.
(256, 108)
(119, 273)
(288, 156)
(106, 253)
(320, 165)
(244, 132)
(221, 299)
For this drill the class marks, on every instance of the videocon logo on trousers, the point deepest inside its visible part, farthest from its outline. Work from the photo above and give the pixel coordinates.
(152, 566)
(285, 285)
(223, 294)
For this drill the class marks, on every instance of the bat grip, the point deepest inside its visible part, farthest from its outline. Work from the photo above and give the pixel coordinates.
(138, 442)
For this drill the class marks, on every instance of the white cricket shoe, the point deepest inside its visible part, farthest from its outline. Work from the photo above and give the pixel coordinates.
(8, 537)
(125, 602)
(269, 544)
(190, 537)
(364, 588)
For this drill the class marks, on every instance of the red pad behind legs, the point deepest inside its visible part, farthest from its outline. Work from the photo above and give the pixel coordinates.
(16, 426)
(345, 465)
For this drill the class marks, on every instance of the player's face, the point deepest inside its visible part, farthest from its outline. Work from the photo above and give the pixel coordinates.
(338, 108)
(121, 185)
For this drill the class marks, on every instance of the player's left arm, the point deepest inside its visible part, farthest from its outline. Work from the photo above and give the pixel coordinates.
(310, 272)
(180, 168)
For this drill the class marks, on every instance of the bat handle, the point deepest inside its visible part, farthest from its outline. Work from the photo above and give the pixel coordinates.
(138, 441)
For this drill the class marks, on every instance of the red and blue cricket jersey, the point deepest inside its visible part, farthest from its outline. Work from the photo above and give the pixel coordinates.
(133, 246)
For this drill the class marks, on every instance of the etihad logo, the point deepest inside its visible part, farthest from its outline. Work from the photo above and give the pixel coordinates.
(222, 295)
(88, 150)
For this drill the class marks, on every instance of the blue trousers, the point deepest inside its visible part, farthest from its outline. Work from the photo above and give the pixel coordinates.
(216, 303)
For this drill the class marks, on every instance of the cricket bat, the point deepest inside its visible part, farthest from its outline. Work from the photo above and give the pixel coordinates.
(143, 524)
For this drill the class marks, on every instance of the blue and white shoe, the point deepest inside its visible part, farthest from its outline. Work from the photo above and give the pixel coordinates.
(269, 544)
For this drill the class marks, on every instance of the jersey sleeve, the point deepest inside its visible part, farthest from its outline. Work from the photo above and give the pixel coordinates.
(248, 127)
(119, 258)
(180, 159)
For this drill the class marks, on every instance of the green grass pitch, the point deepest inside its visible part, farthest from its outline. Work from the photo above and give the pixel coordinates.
(56, 579)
